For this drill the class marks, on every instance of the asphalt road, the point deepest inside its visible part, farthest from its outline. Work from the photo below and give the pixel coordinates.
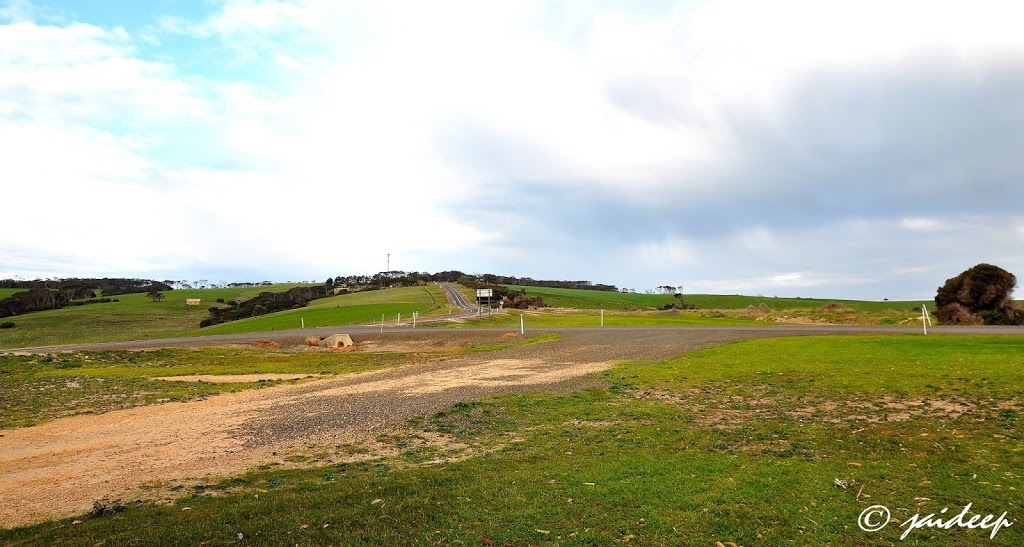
(457, 299)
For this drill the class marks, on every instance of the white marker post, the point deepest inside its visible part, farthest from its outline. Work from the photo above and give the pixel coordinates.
(414, 319)
(926, 319)
(522, 330)
(602, 318)
(399, 322)
(302, 322)
(382, 323)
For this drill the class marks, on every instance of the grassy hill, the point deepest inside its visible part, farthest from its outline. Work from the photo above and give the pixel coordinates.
(580, 308)
(4, 293)
(347, 309)
(594, 300)
(132, 317)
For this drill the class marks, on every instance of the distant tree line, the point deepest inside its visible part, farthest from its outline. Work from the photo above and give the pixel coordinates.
(264, 303)
(510, 298)
(110, 286)
(406, 279)
(531, 282)
(41, 299)
(51, 294)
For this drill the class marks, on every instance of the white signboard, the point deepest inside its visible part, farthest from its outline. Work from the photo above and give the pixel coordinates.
(484, 293)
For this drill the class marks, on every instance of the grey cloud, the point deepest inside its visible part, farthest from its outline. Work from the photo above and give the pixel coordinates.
(928, 140)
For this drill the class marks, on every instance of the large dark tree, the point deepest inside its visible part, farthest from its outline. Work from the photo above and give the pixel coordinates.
(979, 296)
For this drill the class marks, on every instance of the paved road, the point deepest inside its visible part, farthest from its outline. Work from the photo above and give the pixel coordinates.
(457, 299)
(631, 332)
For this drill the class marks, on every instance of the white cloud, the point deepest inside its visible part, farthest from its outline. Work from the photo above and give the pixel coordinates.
(921, 224)
(379, 123)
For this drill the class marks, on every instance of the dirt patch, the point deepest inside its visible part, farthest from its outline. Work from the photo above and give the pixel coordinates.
(493, 373)
(233, 378)
(268, 344)
(60, 468)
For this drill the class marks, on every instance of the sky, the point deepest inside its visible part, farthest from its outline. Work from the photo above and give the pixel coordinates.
(837, 149)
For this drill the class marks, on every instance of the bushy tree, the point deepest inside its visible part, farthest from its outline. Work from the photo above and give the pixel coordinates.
(979, 296)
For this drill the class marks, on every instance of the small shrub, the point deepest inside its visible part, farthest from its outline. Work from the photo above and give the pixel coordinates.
(100, 509)
(313, 341)
(220, 300)
(957, 314)
(7, 325)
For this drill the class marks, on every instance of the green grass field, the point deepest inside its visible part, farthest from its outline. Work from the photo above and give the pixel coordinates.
(133, 317)
(4, 293)
(358, 308)
(727, 444)
(614, 301)
(631, 310)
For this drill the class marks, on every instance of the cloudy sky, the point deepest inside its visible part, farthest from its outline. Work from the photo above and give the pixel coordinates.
(863, 149)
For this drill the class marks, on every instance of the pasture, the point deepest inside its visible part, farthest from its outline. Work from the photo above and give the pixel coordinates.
(617, 301)
(4, 293)
(357, 308)
(137, 317)
(762, 441)
(132, 317)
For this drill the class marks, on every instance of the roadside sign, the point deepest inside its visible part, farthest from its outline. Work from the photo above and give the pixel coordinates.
(193, 301)
(485, 293)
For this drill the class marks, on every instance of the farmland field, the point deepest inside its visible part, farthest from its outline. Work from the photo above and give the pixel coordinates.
(728, 443)
(136, 317)
(362, 307)
(4, 293)
(132, 317)
(593, 300)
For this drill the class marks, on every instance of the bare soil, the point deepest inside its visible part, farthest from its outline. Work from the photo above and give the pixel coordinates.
(61, 468)
(232, 378)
